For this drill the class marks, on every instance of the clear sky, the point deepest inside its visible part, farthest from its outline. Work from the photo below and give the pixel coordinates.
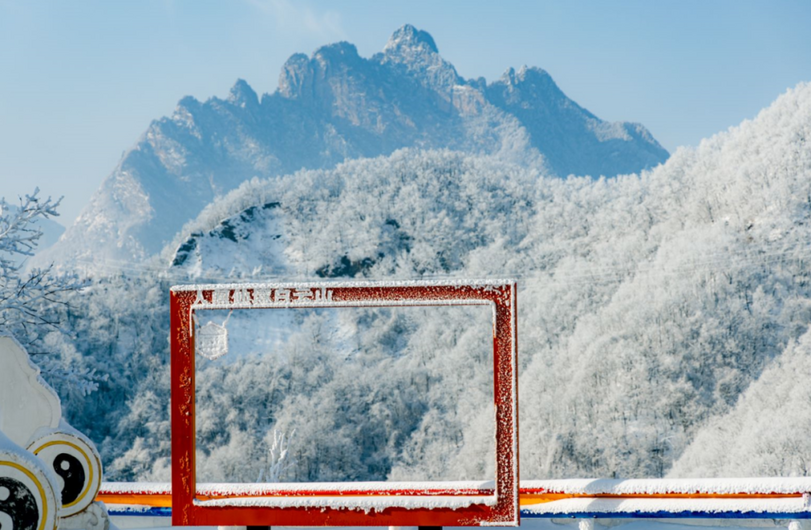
(80, 81)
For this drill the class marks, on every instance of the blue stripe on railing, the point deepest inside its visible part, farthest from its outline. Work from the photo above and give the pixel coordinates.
(666, 515)
(149, 512)
(167, 512)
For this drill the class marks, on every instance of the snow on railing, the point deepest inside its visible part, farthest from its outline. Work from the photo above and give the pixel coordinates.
(575, 499)
(737, 498)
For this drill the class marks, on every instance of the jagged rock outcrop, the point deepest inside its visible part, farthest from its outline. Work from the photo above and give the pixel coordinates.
(333, 106)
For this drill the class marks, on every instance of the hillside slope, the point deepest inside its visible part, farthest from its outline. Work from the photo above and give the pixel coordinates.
(649, 303)
(765, 434)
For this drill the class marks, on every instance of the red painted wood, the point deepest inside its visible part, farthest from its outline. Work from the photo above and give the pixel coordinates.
(503, 298)
(473, 516)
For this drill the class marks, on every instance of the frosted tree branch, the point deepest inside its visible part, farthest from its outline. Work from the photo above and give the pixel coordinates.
(30, 302)
(279, 460)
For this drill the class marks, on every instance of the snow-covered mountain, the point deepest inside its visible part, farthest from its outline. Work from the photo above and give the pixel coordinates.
(650, 304)
(333, 106)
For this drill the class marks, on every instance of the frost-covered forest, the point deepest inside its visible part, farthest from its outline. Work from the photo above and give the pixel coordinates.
(663, 319)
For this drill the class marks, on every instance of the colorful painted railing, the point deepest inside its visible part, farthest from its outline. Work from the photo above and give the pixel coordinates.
(753, 498)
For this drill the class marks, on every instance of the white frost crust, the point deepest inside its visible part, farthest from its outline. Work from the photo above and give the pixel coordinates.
(365, 503)
(387, 488)
(572, 507)
(754, 485)
(410, 302)
(133, 508)
(339, 284)
(629, 487)
(136, 488)
(213, 489)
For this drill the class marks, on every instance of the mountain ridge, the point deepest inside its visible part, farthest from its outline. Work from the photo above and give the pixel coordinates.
(333, 106)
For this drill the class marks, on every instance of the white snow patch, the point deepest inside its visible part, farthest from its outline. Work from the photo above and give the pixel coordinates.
(754, 485)
(572, 507)
(339, 488)
(365, 503)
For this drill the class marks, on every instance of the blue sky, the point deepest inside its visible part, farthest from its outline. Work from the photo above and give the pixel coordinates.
(80, 81)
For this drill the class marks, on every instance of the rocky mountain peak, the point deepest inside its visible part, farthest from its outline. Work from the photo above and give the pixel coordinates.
(242, 95)
(332, 106)
(532, 84)
(414, 52)
(530, 73)
(526, 74)
(409, 37)
(294, 75)
(300, 74)
(337, 52)
(508, 77)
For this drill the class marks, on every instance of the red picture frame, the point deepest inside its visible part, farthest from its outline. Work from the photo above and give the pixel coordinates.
(193, 506)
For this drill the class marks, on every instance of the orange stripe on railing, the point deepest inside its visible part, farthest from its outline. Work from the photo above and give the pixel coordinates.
(138, 499)
(527, 498)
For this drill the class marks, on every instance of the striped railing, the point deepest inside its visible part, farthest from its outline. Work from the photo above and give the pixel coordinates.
(576, 499)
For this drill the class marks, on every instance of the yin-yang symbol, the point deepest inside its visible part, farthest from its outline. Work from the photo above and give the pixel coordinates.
(70, 469)
(18, 504)
(76, 462)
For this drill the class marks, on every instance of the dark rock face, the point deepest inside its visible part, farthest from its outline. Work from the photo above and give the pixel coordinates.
(331, 107)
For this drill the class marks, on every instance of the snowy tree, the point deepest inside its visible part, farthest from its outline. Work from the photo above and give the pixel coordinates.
(279, 462)
(33, 303)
